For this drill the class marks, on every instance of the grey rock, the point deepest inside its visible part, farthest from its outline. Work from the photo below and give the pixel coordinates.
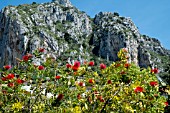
(69, 35)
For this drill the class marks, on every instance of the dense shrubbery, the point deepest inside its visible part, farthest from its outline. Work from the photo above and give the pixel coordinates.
(120, 87)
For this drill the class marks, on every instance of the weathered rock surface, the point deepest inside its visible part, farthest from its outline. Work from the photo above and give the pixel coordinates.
(54, 26)
(113, 32)
(67, 33)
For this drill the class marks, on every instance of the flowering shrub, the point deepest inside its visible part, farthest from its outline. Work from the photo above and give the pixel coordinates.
(76, 88)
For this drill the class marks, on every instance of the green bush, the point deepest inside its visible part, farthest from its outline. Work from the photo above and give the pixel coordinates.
(75, 88)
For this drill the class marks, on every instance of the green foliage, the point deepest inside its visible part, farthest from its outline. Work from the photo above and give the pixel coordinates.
(77, 88)
(59, 26)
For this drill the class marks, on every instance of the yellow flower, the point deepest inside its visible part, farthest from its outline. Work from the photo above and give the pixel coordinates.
(126, 89)
(95, 74)
(77, 109)
(81, 70)
(116, 97)
(17, 106)
(39, 108)
(129, 108)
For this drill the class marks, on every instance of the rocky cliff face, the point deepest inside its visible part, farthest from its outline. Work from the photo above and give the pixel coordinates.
(54, 26)
(113, 32)
(67, 33)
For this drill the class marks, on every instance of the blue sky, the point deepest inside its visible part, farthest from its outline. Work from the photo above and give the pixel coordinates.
(152, 17)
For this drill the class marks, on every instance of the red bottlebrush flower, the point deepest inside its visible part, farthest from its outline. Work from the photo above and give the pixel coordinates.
(117, 65)
(155, 70)
(57, 77)
(153, 83)
(76, 66)
(25, 58)
(10, 76)
(109, 82)
(78, 96)
(123, 72)
(41, 67)
(68, 65)
(102, 66)
(7, 67)
(127, 65)
(19, 81)
(60, 97)
(41, 50)
(10, 84)
(138, 89)
(4, 91)
(81, 84)
(3, 78)
(91, 81)
(166, 103)
(91, 63)
(101, 98)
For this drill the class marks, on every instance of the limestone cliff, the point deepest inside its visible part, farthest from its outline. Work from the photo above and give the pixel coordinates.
(69, 34)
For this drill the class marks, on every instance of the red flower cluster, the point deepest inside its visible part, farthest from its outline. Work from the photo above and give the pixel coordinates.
(41, 50)
(79, 96)
(91, 81)
(10, 84)
(138, 89)
(76, 66)
(57, 77)
(153, 83)
(19, 81)
(166, 103)
(123, 72)
(81, 84)
(26, 57)
(102, 66)
(7, 67)
(91, 63)
(41, 67)
(127, 65)
(3, 79)
(109, 82)
(154, 70)
(4, 92)
(68, 65)
(100, 98)
(117, 65)
(10, 76)
(60, 97)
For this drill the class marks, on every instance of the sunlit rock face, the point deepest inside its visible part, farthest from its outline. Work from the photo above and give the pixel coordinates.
(113, 32)
(55, 26)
